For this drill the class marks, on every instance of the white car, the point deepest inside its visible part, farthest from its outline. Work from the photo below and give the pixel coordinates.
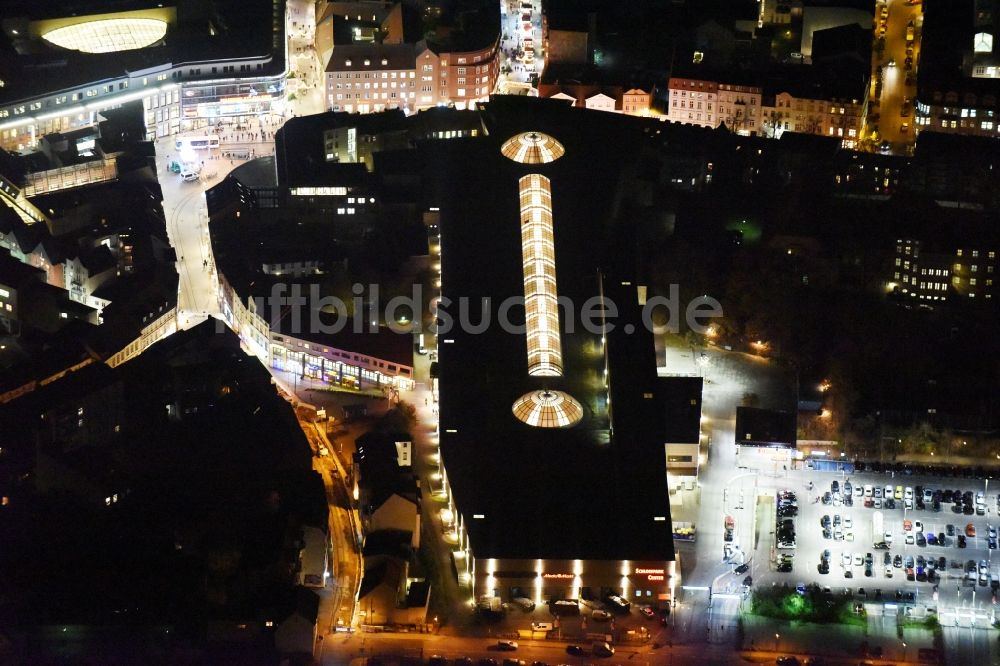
(859, 491)
(908, 504)
(848, 523)
(189, 176)
(910, 540)
(888, 571)
(908, 493)
(858, 559)
(869, 490)
(888, 538)
(845, 559)
(918, 526)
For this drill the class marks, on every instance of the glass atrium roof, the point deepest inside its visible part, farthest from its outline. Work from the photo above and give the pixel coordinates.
(532, 148)
(548, 409)
(108, 35)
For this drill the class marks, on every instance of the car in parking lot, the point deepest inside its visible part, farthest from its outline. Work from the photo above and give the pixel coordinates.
(858, 559)
(961, 541)
(970, 530)
(507, 645)
(648, 612)
(575, 650)
(846, 559)
(600, 615)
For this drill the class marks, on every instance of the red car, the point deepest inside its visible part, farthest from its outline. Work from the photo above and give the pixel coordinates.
(647, 612)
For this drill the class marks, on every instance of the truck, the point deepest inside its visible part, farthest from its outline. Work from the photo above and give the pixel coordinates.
(878, 530)
(314, 557)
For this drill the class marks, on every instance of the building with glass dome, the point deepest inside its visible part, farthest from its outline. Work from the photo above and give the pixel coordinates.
(190, 63)
(552, 431)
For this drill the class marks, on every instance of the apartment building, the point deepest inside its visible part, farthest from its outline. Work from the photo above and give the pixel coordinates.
(369, 78)
(840, 118)
(739, 107)
(919, 272)
(693, 102)
(966, 272)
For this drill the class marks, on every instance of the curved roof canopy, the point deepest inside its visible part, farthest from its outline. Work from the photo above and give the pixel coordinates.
(532, 148)
(548, 409)
(108, 35)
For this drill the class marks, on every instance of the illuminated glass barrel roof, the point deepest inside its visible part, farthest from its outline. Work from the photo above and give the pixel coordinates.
(539, 264)
(108, 35)
(548, 409)
(532, 148)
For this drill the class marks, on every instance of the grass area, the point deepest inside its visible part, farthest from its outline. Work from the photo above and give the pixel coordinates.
(815, 605)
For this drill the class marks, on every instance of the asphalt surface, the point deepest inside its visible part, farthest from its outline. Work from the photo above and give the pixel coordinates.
(895, 128)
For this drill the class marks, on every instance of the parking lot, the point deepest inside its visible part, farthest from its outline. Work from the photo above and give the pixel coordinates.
(856, 545)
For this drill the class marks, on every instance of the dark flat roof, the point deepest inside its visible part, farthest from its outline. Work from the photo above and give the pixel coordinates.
(588, 491)
(765, 427)
(682, 403)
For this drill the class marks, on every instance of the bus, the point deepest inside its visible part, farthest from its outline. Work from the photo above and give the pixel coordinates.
(197, 142)
(878, 532)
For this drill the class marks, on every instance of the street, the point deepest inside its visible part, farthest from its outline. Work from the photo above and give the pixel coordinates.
(892, 93)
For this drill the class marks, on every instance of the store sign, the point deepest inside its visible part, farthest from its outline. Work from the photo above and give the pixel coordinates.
(651, 574)
(559, 576)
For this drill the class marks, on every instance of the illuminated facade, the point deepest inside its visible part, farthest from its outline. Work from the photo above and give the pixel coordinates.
(179, 89)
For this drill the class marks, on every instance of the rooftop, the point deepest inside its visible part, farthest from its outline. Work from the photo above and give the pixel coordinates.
(765, 427)
(618, 457)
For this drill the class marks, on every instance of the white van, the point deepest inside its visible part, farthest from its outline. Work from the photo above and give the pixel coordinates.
(189, 176)
(541, 626)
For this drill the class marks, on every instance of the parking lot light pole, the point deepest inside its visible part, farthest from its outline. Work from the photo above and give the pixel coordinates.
(777, 637)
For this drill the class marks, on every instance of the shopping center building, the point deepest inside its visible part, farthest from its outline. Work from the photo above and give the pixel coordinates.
(190, 63)
(552, 432)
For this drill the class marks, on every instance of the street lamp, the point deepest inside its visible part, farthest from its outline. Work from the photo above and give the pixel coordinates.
(904, 650)
(777, 637)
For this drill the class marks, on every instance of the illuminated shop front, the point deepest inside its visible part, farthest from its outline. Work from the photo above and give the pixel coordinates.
(337, 367)
(207, 102)
(543, 581)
